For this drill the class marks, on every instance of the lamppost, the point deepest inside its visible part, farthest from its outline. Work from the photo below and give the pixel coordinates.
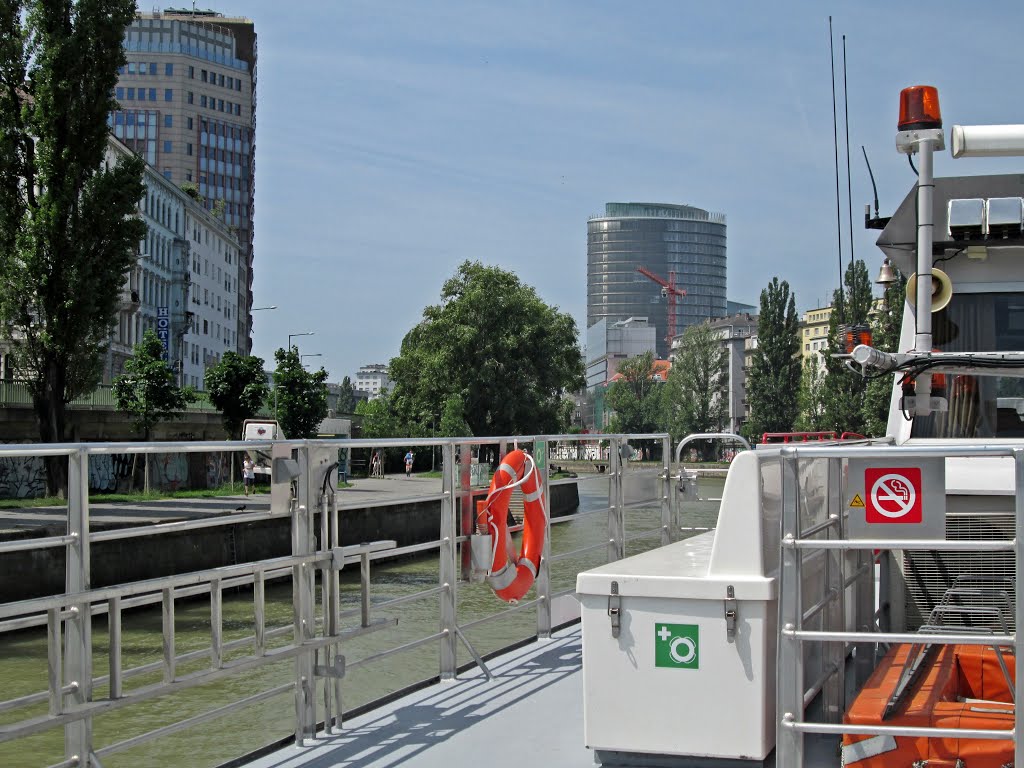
(287, 350)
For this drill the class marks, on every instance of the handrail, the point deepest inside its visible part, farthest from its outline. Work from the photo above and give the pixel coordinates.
(709, 436)
(791, 700)
(65, 618)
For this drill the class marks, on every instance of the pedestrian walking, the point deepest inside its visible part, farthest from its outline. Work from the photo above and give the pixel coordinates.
(408, 464)
(248, 474)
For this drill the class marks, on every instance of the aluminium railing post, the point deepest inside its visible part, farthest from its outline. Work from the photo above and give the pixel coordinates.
(863, 606)
(667, 513)
(448, 567)
(467, 510)
(789, 672)
(616, 518)
(334, 611)
(325, 601)
(540, 452)
(834, 616)
(78, 629)
(303, 592)
(1018, 599)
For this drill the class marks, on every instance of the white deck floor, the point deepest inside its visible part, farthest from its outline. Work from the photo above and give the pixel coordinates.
(530, 713)
(531, 710)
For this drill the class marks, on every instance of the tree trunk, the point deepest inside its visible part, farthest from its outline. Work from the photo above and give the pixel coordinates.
(48, 404)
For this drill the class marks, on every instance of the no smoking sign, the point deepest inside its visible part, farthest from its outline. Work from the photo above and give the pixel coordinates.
(893, 495)
(896, 499)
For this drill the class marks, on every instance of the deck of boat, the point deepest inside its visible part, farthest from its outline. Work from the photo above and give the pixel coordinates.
(536, 694)
(532, 709)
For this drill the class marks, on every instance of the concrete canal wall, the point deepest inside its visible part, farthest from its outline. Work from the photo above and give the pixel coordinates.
(41, 572)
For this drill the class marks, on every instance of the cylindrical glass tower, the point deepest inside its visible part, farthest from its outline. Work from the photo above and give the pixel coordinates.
(679, 244)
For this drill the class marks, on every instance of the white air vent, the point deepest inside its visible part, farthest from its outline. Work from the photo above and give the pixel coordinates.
(928, 575)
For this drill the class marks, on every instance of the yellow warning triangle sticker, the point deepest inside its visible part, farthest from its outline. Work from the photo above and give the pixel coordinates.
(857, 501)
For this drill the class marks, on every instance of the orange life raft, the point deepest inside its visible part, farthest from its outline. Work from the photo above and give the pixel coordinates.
(962, 686)
(510, 575)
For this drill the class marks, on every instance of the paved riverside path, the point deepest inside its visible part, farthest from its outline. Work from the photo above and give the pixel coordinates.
(50, 520)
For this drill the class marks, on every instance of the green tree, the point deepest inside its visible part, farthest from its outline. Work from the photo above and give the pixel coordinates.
(494, 344)
(69, 227)
(775, 370)
(377, 418)
(238, 388)
(696, 393)
(301, 395)
(885, 335)
(811, 399)
(843, 389)
(148, 390)
(635, 397)
(453, 422)
(346, 396)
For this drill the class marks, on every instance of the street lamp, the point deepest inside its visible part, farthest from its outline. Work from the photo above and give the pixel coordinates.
(257, 309)
(312, 354)
(293, 335)
(287, 350)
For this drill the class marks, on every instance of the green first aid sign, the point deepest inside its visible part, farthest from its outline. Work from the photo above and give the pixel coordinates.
(677, 645)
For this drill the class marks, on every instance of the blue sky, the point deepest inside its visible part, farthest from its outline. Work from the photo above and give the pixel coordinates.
(397, 139)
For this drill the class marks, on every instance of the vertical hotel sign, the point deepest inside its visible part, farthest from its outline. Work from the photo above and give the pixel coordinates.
(163, 331)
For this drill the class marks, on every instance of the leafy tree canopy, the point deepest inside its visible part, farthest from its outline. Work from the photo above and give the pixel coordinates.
(148, 390)
(238, 388)
(301, 395)
(636, 397)
(775, 370)
(69, 227)
(496, 346)
(346, 396)
(885, 335)
(843, 389)
(696, 392)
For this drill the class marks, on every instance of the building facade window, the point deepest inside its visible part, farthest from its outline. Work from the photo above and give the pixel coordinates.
(168, 69)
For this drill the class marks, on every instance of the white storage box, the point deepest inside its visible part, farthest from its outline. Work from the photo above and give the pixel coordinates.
(692, 671)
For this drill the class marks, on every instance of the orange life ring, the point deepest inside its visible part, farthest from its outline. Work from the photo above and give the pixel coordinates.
(512, 576)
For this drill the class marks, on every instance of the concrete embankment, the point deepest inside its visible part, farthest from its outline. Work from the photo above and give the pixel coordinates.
(41, 572)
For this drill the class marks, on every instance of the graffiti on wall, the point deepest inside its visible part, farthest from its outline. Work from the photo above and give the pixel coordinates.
(169, 471)
(109, 472)
(218, 469)
(22, 477)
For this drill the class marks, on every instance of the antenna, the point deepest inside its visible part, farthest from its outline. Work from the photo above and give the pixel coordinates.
(835, 142)
(846, 113)
(876, 222)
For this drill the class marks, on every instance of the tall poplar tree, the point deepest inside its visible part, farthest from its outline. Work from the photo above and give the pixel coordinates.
(843, 389)
(774, 382)
(696, 392)
(885, 335)
(69, 227)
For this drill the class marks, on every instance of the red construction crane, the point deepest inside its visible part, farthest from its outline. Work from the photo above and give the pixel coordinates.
(670, 290)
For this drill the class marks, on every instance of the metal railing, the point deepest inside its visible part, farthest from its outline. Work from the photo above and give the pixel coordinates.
(849, 572)
(301, 490)
(16, 394)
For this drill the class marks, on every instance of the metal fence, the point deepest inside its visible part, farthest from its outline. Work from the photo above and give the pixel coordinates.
(303, 473)
(816, 525)
(16, 394)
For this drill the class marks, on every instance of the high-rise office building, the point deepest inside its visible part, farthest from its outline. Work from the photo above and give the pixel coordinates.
(680, 245)
(188, 105)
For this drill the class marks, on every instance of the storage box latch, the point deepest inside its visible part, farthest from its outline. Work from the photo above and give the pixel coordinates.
(614, 602)
(730, 612)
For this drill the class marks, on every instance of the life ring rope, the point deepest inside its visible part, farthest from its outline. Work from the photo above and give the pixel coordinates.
(512, 573)
(491, 495)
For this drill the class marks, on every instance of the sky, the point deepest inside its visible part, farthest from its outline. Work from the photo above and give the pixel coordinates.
(396, 140)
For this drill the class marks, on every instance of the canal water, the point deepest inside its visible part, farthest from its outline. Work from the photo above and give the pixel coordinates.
(23, 667)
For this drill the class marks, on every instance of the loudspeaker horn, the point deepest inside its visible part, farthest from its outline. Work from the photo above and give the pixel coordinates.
(942, 290)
